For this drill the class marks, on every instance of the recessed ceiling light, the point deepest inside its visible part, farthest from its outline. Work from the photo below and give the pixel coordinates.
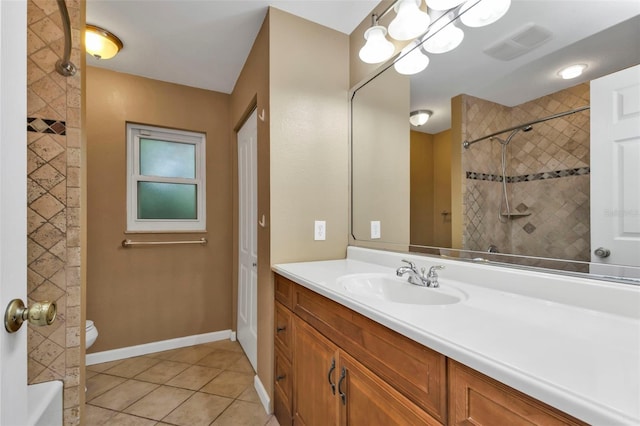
(572, 72)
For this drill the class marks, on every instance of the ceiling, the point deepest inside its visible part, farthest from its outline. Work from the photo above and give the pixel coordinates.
(204, 43)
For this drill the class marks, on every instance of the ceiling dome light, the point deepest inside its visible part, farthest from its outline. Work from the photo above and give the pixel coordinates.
(442, 37)
(572, 72)
(410, 21)
(484, 12)
(100, 43)
(411, 61)
(443, 4)
(377, 48)
(419, 117)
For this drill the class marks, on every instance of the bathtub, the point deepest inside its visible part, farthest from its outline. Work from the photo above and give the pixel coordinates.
(45, 404)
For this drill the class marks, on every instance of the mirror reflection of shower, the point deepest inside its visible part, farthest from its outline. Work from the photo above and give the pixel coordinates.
(504, 210)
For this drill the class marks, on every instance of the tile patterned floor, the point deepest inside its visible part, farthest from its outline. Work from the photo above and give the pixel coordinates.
(208, 384)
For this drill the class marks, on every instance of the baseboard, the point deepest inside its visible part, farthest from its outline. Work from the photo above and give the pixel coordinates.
(149, 348)
(262, 394)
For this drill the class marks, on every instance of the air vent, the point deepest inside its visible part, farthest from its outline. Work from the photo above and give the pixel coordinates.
(519, 43)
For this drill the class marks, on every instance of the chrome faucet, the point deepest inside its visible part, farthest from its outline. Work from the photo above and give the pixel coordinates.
(420, 278)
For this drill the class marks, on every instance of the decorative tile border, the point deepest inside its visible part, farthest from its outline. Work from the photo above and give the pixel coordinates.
(43, 125)
(531, 177)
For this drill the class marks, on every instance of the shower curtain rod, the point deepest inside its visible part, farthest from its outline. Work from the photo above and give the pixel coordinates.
(64, 66)
(467, 144)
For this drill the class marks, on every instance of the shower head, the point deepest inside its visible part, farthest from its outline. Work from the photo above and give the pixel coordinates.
(527, 128)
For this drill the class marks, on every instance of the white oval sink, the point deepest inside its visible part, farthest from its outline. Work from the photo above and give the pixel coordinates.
(397, 290)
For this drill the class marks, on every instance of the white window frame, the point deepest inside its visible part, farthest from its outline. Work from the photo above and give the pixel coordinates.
(134, 133)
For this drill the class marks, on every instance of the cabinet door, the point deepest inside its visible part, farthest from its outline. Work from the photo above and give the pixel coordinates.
(366, 400)
(479, 400)
(314, 364)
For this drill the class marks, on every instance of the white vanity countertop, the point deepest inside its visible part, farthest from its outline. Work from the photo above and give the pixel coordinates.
(519, 327)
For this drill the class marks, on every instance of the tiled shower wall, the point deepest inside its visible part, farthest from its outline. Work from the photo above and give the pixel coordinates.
(547, 177)
(53, 196)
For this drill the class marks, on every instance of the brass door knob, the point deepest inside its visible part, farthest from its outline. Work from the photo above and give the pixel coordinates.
(40, 313)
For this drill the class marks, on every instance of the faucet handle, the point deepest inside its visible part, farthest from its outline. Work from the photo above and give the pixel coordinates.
(433, 269)
(411, 264)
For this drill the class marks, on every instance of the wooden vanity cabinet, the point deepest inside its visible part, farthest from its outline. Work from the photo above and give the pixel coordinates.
(388, 378)
(337, 367)
(479, 400)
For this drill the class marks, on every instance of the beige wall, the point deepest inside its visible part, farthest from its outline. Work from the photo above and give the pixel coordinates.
(422, 189)
(55, 196)
(142, 295)
(458, 117)
(431, 189)
(442, 161)
(309, 138)
(252, 89)
(381, 165)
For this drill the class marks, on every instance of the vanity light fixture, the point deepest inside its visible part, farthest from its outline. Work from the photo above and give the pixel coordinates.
(419, 117)
(100, 43)
(410, 21)
(443, 36)
(484, 12)
(377, 48)
(572, 71)
(412, 60)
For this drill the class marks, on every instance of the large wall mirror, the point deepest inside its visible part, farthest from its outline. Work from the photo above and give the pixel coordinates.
(529, 185)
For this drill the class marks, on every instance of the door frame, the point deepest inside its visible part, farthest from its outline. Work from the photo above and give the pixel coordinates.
(13, 205)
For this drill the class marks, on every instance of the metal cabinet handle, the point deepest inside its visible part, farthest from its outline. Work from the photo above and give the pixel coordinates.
(332, 384)
(40, 313)
(343, 396)
(280, 377)
(282, 328)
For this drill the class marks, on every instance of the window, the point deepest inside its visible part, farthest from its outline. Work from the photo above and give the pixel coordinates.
(165, 179)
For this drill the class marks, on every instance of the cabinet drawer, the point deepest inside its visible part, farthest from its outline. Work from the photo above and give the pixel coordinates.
(477, 399)
(283, 388)
(283, 289)
(417, 372)
(283, 330)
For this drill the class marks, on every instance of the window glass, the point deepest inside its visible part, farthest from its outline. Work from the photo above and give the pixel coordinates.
(167, 159)
(166, 201)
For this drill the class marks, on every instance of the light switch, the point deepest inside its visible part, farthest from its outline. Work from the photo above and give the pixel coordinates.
(375, 229)
(320, 230)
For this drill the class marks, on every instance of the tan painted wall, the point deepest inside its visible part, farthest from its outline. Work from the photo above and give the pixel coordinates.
(309, 138)
(252, 89)
(442, 189)
(422, 189)
(431, 189)
(381, 163)
(457, 179)
(141, 295)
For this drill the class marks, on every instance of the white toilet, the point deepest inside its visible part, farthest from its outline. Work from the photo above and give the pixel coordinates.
(91, 334)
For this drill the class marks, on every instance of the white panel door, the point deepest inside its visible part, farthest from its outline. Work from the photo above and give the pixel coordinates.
(615, 169)
(13, 206)
(248, 244)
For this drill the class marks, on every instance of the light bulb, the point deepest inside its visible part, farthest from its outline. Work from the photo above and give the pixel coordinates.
(484, 12)
(411, 61)
(410, 21)
(443, 4)
(442, 37)
(377, 48)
